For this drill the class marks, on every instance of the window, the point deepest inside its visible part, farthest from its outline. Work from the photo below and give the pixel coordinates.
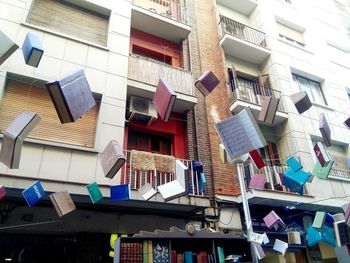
(20, 96)
(151, 54)
(311, 87)
(290, 34)
(70, 19)
(149, 142)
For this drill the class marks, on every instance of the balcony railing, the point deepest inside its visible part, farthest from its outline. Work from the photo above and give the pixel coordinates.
(252, 92)
(241, 31)
(273, 175)
(338, 174)
(138, 178)
(168, 8)
(147, 70)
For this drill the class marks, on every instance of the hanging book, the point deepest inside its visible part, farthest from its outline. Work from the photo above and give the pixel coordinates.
(280, 246)
(256, 158)
(347, 213)
(273, 220)
(301, 101)
(259, 251)
(164, 99)
(32, 50)
(257, 181)
(112, 159)
(2, 192)
(13, 138)
(322, 172)
(62, 202)
(338, 217)
(294, 238)
(328, 236)
(265, 239)
(33, 193)
(64, 93)
(147, 191)
(325, 130)
(207, 82)
(319, 220)
(341, 231)
(7, 47)
(94, 192)
(240, 134)
(294, 164)
(268, 110)
(321, 154)
(295, 181)
(346, 122)
(120, 192)
(313, 236)
(255, 237)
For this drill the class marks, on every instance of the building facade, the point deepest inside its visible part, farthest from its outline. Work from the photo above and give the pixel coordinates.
(256, 49)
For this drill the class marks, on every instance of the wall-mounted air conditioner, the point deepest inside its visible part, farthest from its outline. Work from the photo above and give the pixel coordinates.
(142, 110)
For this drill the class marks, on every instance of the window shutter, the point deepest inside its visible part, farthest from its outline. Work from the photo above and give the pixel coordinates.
(20, 96)
(233, 78)
(290, 33)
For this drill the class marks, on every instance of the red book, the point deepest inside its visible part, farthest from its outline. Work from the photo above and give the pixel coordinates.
(321, 154)
(256, 158)
(180, 258)
(164, 99)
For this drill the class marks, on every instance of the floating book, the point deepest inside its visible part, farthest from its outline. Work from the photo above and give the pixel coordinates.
(207, 82)
(347, 213)
(32, 50)
(341, 231)
(256, 158)
(325, 130)
(273, 220)
(313, 236)
(301, 101)
(322, 172)
(294, 164)
(321, 154)
(164, 99)
(255, 237)
(259, 251)
(294, 238)
(328, 236)
(33, 193)
(295, 181)
(265, 238)
(2, 192)
(240, 134)
(120, 192)
(280, 246)
(7, 47)
(319, 220)
(112, 159)
(346, 122)
(268, 110)
(65, 92)
(257, 181)
(94, 192)
(62, 202)
(13, 138)
(177, 187)
(147, 191)
(338, 217)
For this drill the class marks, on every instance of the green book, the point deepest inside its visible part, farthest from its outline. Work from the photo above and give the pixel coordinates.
(145, 251)
(322, 172)
(94, 192)
(319, 219)
(221, 254)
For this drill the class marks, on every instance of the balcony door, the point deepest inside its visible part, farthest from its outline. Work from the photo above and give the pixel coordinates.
(149, 142)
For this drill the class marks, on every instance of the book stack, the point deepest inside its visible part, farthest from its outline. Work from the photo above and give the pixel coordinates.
(294, 238)
(301, 101)
(256, 158)
(257, 181)
(94, 192)
(112, 159)
(280, 246)
(325, 129)
(120, 192)
(164, 99)
(273, 220)
(207, 82)
(295, 178)
(7, 47)
(64, 93)
(2, 192)
(62, 203)
(14, 136)
(131, 252)
(32, 50)
(268, 110)
(240, 134)
(33, 193)
(319, 220)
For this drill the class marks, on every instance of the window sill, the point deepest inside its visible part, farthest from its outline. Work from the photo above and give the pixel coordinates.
(322, 106)
(64, 35)
(295, 45)
(339, 63)
(59, 145)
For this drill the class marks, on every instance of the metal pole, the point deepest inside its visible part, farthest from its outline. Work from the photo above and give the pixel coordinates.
(246, 210)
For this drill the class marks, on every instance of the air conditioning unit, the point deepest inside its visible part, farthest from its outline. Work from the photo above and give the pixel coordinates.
(141, 109)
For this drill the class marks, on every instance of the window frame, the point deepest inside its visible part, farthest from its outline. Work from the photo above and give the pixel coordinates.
(310, 85)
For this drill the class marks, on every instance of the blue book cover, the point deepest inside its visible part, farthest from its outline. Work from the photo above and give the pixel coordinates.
(120, 192)
(313, 236)
(294, 164)
(296, 180)
(33, 193)
(188, 257)
(328, 236)
(32, 50)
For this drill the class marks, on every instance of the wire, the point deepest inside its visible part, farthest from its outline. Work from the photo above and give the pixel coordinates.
(32, 224)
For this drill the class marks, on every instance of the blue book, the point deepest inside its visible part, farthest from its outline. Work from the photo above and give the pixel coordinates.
(313, 236)
(295, 181)
(33, 193)
(188, 257)
(328, 236)
(294, 164)
(32, 50)
(120, 192)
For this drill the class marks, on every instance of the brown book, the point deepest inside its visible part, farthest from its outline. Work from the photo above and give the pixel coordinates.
(112, 159)
(268, 110)
(301, 101)
(62, 203)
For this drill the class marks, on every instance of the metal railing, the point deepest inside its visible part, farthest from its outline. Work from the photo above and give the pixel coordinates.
(252, 92)
(244, 32)
(168, 8)
(338, 174)
(147, 70)
(137, 178)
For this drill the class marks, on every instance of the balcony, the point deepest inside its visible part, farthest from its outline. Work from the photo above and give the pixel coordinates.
(162, 18)
(245, 7)
(138, 178)
(338, 174)
(144, 74)
(243, 42)
(250, 94)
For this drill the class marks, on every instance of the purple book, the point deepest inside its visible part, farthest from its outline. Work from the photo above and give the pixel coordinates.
(272, 219)
(2, 192)
(347, 123)
(164, 99)
(257, 181)
(321, 154)
(325, 130)
(301, 101)
(207, 82)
